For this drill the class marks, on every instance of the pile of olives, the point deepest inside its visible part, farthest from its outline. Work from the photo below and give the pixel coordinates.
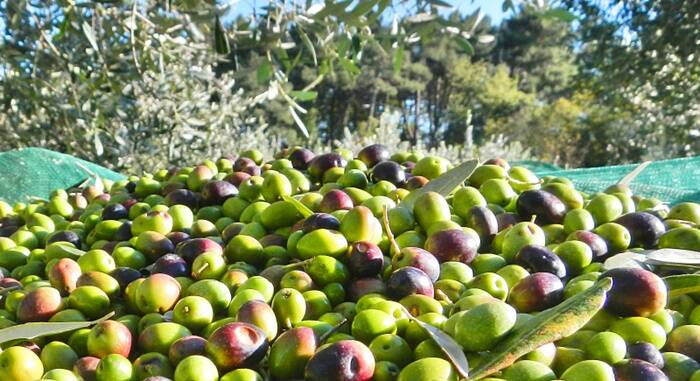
(308, 267)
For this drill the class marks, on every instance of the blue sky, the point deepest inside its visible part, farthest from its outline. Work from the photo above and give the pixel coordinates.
(491, 8)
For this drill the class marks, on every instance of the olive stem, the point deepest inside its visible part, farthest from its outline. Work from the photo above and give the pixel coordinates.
(333, 330)
(389, 234)
(292, 266)
(201, 268)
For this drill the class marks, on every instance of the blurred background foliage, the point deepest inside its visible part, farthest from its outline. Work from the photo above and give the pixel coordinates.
(143, 84)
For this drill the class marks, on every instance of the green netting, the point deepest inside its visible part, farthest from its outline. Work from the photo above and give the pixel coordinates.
(537, 166)
(35, 172)
(672, 181)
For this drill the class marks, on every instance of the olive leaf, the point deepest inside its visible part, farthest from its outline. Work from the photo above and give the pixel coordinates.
(546, 327)
(677, 259)
(306, 212)
(5, 290)
(627, 259)
(682, 284)
(625, 181)
(221, 44)
(685, 260)
(449, 347)
(443, 184)
(673, 257)
(30, 331)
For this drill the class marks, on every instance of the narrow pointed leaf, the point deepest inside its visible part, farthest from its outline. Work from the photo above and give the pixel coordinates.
(30, 331)
(221, 44)
(560, 14)
(674, 257)
(444, 184)
(398, 59)
(300, 207)
(6, 290)
(90, 35)
(625, 260)
(449, 347)
(546, 327)
(465, 45)
(627, 180)
(299, 122)
(420, 18)
(682, 284)
(309, 46)
(362, 8)
(303, 96)
(332, 8)
(264, 72)
(440, 3)
(349, 66)
(99, 148)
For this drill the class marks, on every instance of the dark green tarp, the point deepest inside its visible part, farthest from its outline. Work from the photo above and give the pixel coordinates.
(672, 181)
(35, 172)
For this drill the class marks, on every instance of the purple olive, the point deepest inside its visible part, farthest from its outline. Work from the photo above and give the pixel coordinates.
(536, 258)
(365, 259)
(171, 264)
(408, 281)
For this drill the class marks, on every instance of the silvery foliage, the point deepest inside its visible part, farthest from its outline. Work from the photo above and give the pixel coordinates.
(138, 100)
(136, 88)
(385, 133)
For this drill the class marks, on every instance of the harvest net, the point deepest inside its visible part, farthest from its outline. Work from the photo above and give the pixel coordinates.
(35, 172)
(671, 181)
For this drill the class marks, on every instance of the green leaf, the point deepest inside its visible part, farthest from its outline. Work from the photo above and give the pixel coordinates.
(444, 184)
(221, 44)
(349, 66)
(309, 45)
(560, 14)
(90, 35)
(332, 8)
(303, 96)
(398, 58)
(356, 46)
(682, 284)
(362, 8)
(300, 207)
(64, 26)
(508, 5)
(30, 331)
(465, 45)
(440, 3)
(264, 72)
(448, 346)
(546, 327)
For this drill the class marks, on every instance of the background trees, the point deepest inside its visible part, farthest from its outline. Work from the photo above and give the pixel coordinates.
(147, 83)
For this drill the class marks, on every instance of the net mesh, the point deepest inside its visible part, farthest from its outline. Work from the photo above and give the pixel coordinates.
(672, 181)
(35, 172)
